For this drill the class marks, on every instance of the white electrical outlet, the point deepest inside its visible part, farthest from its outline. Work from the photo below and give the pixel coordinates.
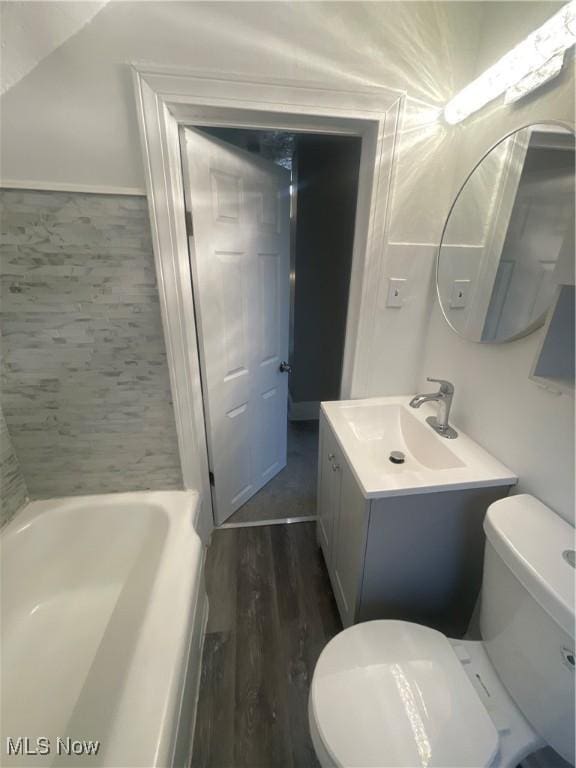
(460, 294)
(397, 289)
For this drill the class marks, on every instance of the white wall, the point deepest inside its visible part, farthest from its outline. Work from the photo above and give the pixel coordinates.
(72, 120)
(434, 161)
(525, 426)
(30, 31)
(528, 428)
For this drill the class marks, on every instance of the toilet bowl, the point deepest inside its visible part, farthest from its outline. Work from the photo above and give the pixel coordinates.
(393, 693)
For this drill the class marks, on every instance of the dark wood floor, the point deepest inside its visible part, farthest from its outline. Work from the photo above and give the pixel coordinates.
(271, 613)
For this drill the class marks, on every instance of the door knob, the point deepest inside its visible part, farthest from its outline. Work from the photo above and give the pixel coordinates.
(285, 367)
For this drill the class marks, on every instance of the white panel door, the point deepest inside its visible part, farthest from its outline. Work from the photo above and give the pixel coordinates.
(239, 251)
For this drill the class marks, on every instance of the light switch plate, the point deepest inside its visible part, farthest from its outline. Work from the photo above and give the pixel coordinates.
(397, 288)
(460, 294)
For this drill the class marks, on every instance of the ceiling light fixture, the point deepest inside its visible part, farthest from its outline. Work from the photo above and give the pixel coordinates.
(531, 63)
(535, 79)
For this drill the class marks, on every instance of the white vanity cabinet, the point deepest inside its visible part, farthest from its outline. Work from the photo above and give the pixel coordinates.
(415, 556)
(328, 496)
(342, 523)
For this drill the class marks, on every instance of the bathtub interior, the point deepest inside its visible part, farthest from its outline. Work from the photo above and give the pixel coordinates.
(70, 622)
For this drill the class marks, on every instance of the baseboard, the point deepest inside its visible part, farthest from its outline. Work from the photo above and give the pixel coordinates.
(272, 521)
(64, 186)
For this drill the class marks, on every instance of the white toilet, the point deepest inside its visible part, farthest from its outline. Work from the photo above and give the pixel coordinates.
(392, 693)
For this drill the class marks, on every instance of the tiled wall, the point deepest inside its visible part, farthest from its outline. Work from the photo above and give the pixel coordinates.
(13, 490)
(85, 386)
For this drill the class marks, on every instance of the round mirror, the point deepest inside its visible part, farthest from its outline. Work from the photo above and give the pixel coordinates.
(509, 235)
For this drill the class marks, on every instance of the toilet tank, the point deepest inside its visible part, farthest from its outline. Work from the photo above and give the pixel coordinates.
(527, 613)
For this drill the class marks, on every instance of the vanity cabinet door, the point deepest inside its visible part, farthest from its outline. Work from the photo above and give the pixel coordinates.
(328, 489)
(349, 545)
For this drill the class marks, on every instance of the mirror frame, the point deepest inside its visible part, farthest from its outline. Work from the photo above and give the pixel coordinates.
(571, 128)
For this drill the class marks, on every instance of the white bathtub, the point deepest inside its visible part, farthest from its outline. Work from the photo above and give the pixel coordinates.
(103, 616)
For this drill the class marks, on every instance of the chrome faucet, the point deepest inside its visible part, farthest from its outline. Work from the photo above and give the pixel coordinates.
(444, 399)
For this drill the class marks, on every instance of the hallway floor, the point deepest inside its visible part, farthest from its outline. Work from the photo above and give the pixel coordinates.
(271, 613)
(292, 493)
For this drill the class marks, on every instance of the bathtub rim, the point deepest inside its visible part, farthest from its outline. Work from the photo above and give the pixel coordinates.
(37, 507)
(177, 599)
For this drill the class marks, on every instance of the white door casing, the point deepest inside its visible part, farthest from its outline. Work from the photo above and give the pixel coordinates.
(240, 262)
(170, 98)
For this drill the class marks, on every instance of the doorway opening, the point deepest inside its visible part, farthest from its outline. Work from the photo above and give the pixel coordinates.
(271, 240)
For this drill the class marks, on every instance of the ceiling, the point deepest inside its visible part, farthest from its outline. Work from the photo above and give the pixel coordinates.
(31, 31)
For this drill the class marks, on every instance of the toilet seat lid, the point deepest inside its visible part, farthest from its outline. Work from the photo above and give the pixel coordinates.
(391, 693)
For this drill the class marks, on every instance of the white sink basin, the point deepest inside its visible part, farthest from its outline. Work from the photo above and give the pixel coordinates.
(369, 430)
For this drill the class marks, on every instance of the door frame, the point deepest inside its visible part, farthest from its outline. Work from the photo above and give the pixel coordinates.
(167, 99)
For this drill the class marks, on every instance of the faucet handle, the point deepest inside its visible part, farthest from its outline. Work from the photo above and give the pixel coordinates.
(446, 387)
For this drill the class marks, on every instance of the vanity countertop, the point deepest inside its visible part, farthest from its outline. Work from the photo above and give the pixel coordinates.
(369, 430)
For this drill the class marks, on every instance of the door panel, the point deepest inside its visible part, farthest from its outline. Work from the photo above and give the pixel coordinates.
(349, 544)
(239, 256)
(322, 493)
(328, 491)
(272, 457)
(270, 284)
